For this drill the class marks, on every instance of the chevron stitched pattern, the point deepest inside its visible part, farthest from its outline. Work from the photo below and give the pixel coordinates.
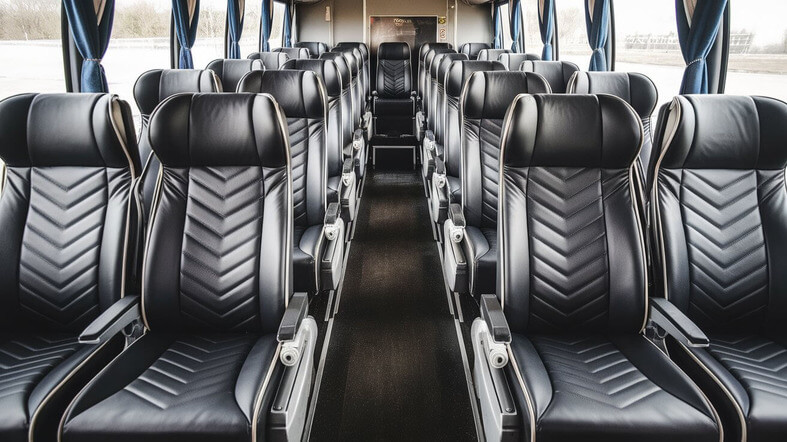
(302, 133)
(220, 262)
(569, 267)
(490, 132)
(193, 369)
(593, 369)
(728, 263)
(393, 77)
(25, 360)
(759, 363)
(58, 270)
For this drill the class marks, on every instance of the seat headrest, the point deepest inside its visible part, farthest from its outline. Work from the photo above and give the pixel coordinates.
(557, 73)
(341, 64)
(491, 54)
(362, 48)
(725, 132)
(636, 89)
(445, 63)
(298, 93)
(426, 47)
(460, 71)
(352, 57)
(487, 95)
(595, 131)
(231, 71)
(512, 61)
(294, 52)
(325, 69)
(154, 86)
(472, 49)
(271, 60)
(393, 51)
(215, 130)
(434, 66)
(54, 130)
(315, 48)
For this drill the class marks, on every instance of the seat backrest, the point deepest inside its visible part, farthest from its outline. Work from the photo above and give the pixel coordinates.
(422, 69)
(231, 71)
(458, 74)
(434, 116)
(394, 78)
(315, 48)
(485, 99)
(366, 65)
(346, 99)
(719, 206)
(557, 73)
(635, 89)
(219, 252)
(294, 53)
(512, 60)
(492, 54)
(354, 60)
(271, 60)
(472, 49)
(570, 241)
(331, 78)
(301, 97)
(66, 221)
(428, 61)
(439, 95)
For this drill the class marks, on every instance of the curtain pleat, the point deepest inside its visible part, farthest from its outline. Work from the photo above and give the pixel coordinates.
(91, 25)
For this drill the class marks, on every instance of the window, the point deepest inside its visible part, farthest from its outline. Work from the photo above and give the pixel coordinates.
(646, 38)
(505, 19)
(140, 42)
(211, 32)
(758, 48)
(250, 39)
(277, 33)
(30, 48)
(532, 32)
(571, 31)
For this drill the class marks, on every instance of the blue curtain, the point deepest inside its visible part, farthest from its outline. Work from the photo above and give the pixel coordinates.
(91, 36)
(597, 29)
(497, 43)
(287, 31)
(516, 21)
(546, 25)
(235, 26)
(266, 24)
(186, 30)
(696, 40)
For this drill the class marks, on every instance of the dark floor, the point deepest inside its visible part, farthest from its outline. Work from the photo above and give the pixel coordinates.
(394, 369)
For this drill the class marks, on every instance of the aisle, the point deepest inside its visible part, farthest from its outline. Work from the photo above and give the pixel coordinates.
(394, 369)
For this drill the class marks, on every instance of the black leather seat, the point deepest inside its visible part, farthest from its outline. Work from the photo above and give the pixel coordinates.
(272, 61)
(317, 242)
(231, 71)
(65, 227)
(512, 61)
(393, 104)
(446, 185)
(315, 48)
(216, 286)
(635, 89)
(366, 79)
(355, 61)
(483, 106)
(571, 303)
(557, 73)
(720, 211)
(492, 54)
(422, 68)
(472, 49)
(294, 53)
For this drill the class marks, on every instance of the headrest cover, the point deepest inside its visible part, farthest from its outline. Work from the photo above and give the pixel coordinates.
(271, 60)
(294, 52)
(491, 54)
(445, 63)
(434, 66)
(426, 47)
(298, 93)
(325, 69)
(557, 73)
(460, 71)
(53, 130)
(597, 131)
(362, 48)
(487, 95)
(154, 86)
(393, 51)
(726, 132)
(636, 89)
(512, 61)
(472, 49)
(231, 71)
(215, 130)
(341, 65)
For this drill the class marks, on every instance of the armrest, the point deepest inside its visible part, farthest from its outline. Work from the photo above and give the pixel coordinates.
(374, 94)
(439, 167)
(429, 140)
(332, 215)
(456, 215)
(666, 316)
(112, 321)
(348, 171)
(492, 314)
(296, 312)
(358, 139)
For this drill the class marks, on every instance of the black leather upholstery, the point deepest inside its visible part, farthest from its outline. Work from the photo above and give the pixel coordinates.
(394, 79)
(300, 94)
(348, 122)
(231, 71)
(216, 281)
(485, 99)
(271, 60)
(65, 228)
(294, 53)
(315, 48)
(437, 72)
(635, 89)
(492, 54)
(557, 73)
(366, 65)
(720, 211)
(428, 61)
(512, 61)
(354, 60)
(422, 68)
(573, 280)
(472, 49)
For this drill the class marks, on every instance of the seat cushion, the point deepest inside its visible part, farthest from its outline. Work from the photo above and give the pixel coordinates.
(393, 107)
(176, 388)
(482, 244)
(610, 388)
(307, 243)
